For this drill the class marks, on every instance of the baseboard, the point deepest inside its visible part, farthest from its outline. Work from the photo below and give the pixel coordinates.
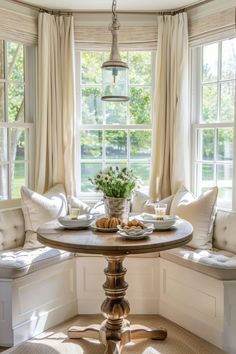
(43, 321)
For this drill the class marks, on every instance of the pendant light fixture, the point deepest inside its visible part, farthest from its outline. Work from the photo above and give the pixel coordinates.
(115, 71)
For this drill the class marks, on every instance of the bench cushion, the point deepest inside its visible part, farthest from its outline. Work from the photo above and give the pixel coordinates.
(18, 262)
(217, 263)
(12, 228)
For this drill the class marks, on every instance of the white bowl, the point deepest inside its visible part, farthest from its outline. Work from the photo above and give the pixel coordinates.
(81, 221)
(136, 232)
(159, 224)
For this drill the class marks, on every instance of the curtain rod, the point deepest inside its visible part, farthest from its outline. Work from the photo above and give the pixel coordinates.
(163, 12)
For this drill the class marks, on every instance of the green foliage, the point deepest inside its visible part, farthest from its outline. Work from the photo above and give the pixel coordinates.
(115, 182)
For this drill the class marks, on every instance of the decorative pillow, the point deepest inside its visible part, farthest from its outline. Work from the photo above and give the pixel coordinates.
(77, 203)
(140, 203)
(200, 212)
(38, 209)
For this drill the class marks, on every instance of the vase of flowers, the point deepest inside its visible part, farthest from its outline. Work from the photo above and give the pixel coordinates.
(117, 185)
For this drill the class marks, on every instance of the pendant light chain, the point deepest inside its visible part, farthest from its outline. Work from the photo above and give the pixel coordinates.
(114, 70)
(114, 10)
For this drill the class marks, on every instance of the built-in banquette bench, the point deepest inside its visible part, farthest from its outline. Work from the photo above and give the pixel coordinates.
(41, 287)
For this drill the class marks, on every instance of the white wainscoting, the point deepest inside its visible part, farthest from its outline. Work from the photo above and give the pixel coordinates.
(142, 276)
(37, 301)
(193, 300)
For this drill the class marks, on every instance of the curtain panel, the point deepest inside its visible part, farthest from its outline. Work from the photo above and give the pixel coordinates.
(170, 136)
(55, 128)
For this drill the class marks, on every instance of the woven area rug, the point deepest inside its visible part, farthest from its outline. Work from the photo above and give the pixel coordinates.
(55, 341)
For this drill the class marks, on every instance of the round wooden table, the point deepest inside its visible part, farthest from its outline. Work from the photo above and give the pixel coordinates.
(115, 331)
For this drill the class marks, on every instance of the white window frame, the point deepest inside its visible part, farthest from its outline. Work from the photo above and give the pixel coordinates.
(196, 104)
(29, 116)
(127, 127)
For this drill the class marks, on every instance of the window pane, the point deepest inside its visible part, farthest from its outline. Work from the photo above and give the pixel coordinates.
(227, 101)
(210, 62)
(208, 173)
(206, 144)
(114, 164)
(116, 144)
(209, 103)
(88, 170)
(91, 67)
(140, 105)
(19, 178)
(17, 144)
(228, 59)
(3, 145)
(16, 102)
(15, 62)
(2, 94)
(142, 171)
(224, 182)
(225, 144)
(116, 112)
(91, 106)
(140, 68)
(91, 144)
(205, 177)
(3, 182)
(140, 144)
(1, 59)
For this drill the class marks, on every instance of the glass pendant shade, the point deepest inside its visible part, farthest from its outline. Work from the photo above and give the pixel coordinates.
(115, 83)
(115, 71)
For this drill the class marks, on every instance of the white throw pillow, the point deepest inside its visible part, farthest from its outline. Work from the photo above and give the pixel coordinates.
(39, 209)
(200, 212)
(140, 203)
(77, 203)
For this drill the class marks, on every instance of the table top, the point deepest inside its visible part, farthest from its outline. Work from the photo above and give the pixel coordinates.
(95, 242)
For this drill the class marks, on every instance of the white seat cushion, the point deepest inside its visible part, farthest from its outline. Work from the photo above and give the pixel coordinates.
(217, 263)
(18, 262)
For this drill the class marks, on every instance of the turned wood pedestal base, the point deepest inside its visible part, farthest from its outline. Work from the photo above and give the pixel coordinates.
(116, 331)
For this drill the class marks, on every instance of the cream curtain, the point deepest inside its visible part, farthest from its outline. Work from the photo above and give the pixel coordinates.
(170, 139)
(55, 129)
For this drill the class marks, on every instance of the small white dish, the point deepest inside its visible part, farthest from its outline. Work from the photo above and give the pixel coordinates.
(159, 224)
(136, 232)
(102, 229)
(82, 221)
(133, 236)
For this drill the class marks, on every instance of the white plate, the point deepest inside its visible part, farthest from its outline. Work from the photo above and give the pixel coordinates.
(135, 237)
(165, 224)
(80, 223)
(102, 229)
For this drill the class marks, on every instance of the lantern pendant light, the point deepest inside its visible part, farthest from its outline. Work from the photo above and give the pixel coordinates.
(115, 71)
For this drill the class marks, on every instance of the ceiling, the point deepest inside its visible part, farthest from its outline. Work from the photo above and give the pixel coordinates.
(105, 5)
